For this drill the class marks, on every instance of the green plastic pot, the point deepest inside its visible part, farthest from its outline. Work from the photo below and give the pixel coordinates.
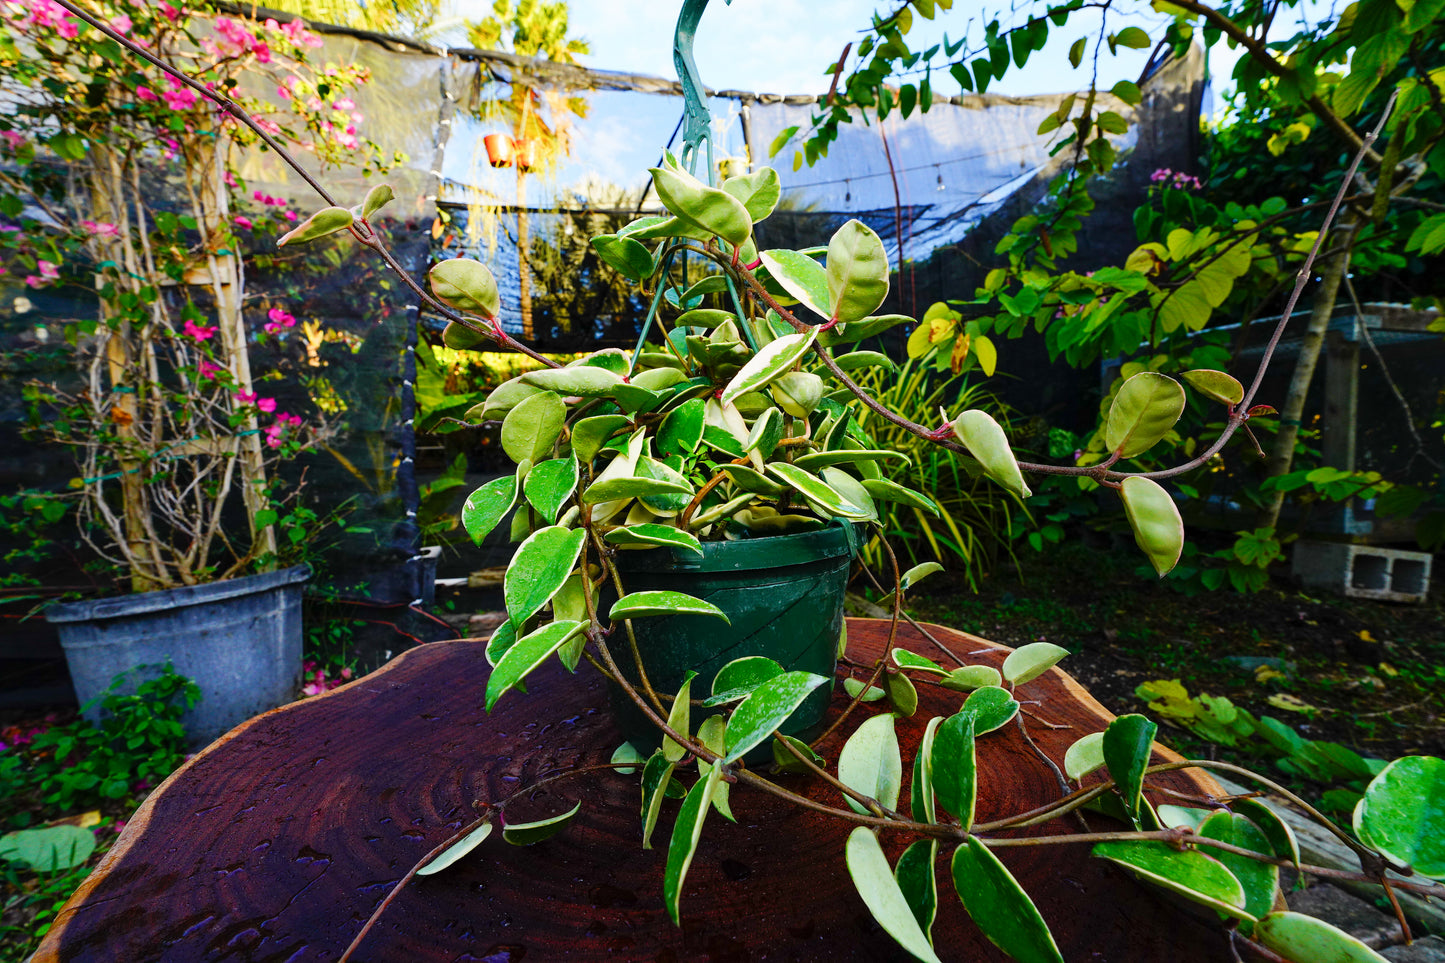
(783, 596)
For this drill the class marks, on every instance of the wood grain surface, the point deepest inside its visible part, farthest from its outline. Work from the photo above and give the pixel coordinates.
(280, 839)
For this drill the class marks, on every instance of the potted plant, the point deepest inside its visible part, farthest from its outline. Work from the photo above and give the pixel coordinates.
(126, 192)
(729, 432)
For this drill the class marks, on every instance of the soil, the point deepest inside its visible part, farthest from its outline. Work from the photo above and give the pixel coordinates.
(1371, 675)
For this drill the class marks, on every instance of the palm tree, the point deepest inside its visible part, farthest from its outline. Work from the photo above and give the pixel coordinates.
(531, 28)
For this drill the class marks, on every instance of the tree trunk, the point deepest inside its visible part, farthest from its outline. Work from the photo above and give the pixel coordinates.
(227, 284)
(524, 273)
(1281, 454)
(107, 188)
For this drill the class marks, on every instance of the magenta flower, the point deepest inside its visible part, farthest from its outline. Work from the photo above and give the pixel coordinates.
(101, 228)
(209, 369)
(145, 93)
(172, 13)
(48, 271)
(243, 222)
(198, 332)
(120, 23)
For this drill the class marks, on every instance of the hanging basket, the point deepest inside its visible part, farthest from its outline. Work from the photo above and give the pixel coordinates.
(526, 155)
(500, 150)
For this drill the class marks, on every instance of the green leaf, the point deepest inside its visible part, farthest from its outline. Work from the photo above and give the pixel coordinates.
(1300, 937)
(703, 207)
(1128, 92)
(655, 777)
(870, 763)
(488, 505)
(871, 693)
(589, 434)
(328, 220)
(1144, 411)
(767, 708)
(999, 906)
(526, 654)
(551, 483)
(857, 272)
(781, 141)
(541, 564)
(586, 381)
(1128, 740)
(466, 285)
(918, 573)
(503, 638)
(954, 767)
(868, 867)
(1028, 662)
(1402, 814)
(1281, 838)
(527, 834)
(785, 761)
(457, 850)
(847, 456)
(970, 677)
(767, 431)
(636, 605)
(883, 490)
(854, 360)
(713, 734)
(1133, 37)
(770, 363)
(1158, 527)
(685, 834)
(613, 489)
(1216, 385)
(758, 191)
(818, 492)
(626, 752)
(1191, 873)
(740, 677)
(1259, 881)
(49, 849)
(805, 280)
(376, 198)
(1076, 51)
(918, 882)
(912, 660)
(1084, 756)
(991, 707)
(625, 255)
(653, 534)
(681, 431)
(679, 720)
(532, 428)
(920, 797)
(987, 443)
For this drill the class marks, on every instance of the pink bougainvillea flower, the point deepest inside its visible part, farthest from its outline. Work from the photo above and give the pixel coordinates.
(33, 281)
(245, 397)
(199, 332)
(183, 98)
(145, 93)
(229, 177)
(291, 216)
(267, 405)
(209, 369)
(120, 23)
(243, 222)
(13, 139)
(171, 13)
(101, 228)
(50, 272)
(280, 319)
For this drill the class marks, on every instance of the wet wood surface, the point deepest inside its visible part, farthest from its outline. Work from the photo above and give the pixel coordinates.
(280, 839)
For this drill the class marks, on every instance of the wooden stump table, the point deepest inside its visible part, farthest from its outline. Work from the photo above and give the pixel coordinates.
(279, 840)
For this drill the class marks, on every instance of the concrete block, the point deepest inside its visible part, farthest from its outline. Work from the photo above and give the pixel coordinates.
(1363, 571)
(1431, 949)
(1364, 922)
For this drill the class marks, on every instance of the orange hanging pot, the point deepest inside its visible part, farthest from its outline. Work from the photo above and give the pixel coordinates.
(500, 150)
(526, 155)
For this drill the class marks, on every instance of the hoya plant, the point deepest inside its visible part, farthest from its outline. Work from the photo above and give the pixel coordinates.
(739, 421)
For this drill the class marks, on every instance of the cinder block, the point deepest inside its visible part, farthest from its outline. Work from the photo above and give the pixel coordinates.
(1363, 571)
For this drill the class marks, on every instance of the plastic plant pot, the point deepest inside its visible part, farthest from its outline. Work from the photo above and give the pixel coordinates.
(526, 155)
(783, 596)
(500, 150)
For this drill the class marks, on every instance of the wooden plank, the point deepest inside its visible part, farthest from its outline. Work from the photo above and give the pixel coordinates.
(280, 839)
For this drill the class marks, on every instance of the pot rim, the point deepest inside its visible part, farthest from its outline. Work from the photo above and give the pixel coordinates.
(143, 603)
(772, 551)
